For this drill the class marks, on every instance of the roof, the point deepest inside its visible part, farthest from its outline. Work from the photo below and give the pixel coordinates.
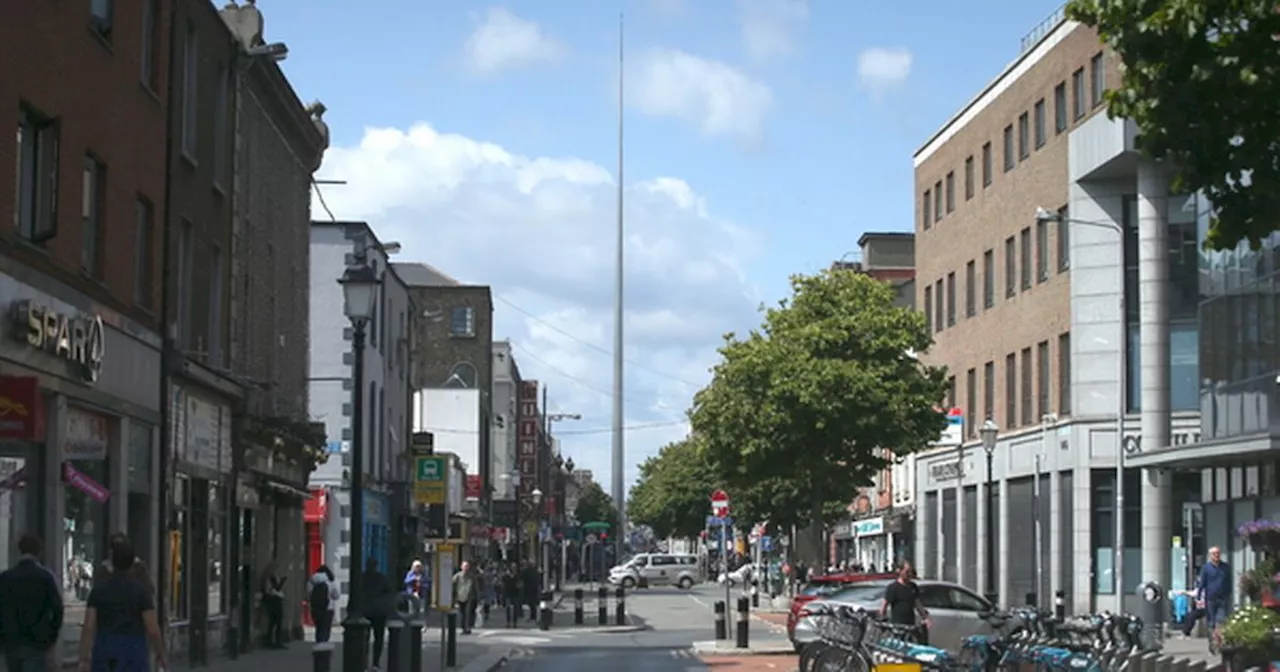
(871, 235)
(418, 274)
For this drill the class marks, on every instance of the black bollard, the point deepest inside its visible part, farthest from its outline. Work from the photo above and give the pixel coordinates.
(744, 617)
(620, 609)
(722, 629)
(755, 593)
(451, 639)
(321, 656)
(415, 642)
(577, 606)
(1060, 605)
(544, 610)
(602, 605)
(395, 645)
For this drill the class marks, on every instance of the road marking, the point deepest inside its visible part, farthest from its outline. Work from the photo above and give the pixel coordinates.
(695, 599)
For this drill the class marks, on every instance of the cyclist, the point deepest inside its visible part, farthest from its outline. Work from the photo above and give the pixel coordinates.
(902, 602)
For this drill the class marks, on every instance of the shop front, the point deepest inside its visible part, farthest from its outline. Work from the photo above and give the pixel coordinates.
(874, 548)
(842, 543)
(314, 514)
(377, 531)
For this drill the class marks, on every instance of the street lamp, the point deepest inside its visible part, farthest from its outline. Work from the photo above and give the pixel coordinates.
(536, 496)
(359, 293)
(989, 433)
(514, 477)
(1122, 390)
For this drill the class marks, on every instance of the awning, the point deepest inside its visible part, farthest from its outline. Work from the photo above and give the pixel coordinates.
(316, 509)
(1231, 452)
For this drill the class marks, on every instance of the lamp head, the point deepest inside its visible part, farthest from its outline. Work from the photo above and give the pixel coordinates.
(989, 432)
(536, 495)
(359, 293)
(1043, 215)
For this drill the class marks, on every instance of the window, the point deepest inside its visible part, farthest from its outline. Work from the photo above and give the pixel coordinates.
(1009, 161)
(462, 322)
(1010, 267)
(951, 192)
(971, 401)
(968, 178)
(1025, 275)
(100, 15)
(1039, 123)
(215, 306)
(986, 164)
(221, 127)
(970, 289)
(186, 270)
(93, 185)
(928, 308)
(218, 582)
(1024, 136)
(989, 390)
(988, 279)
(951, 299)
(1060, 107)
(1097, 79)
(1064, 239)
(1077, 90)
(937, 200)
(1011, 390)
(1026, 387)
(926, 209)
(143, 228)
(938, 306)
(1042, 250)
(190, 97)
(151, 43)
(1043, 380)
(1064, 374)
(951, 392)
(35, 215)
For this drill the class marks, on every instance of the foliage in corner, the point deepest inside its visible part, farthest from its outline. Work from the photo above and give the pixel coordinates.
(595, 505)
(1251, 627)
(1201, 80)
(797, 411)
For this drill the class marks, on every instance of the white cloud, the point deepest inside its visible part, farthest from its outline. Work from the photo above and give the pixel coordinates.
(771, 28)
(883, 68)
(718, 98)
(540, 232)
(502, 40)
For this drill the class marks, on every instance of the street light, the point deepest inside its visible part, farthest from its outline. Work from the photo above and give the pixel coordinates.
(989, 433)
(536, 496)
(514, 478)
(1122, 372)
(359, 293)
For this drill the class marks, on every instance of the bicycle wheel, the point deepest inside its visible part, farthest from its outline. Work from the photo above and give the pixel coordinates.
(810, 653)
(837, 660)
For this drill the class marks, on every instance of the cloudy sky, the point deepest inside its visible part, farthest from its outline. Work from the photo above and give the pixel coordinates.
(763, 138)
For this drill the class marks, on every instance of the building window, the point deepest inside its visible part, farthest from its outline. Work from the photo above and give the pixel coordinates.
(221, 127)
(968, 178)
(1026, 387)
(1042, 250)
(937, 201)
(1044, 379)
(989, 390)
(971, 402)
(1078, 92)
(1103, 503)
(462, 322)
(143, 228)
(928, 308)
(1025, 275)
(93, 186)
(951, 299)
(1097, 79)
(1060, 107)
(35, 215)
(988, 279)
(1009, 160)
(1011, 390)
(926, 209)
(1039, 123)
(185, 273)
(951, 192)
(986, 164)
(1010, 267)
(1064, 239)
(970, 289)
(190, 96)
(150, 43)
(1024, 136)
(214, 346)
(938, 306)
(1064, 374)
(101, 13)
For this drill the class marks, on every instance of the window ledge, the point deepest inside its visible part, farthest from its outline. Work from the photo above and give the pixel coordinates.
(102, 39)
(188, 159)
(28, 245)
(151, 93)
(220, 190)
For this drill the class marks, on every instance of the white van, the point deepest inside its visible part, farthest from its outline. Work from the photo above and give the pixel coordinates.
(658, 569)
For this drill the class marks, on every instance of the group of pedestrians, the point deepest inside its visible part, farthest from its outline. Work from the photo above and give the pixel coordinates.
(517, 587)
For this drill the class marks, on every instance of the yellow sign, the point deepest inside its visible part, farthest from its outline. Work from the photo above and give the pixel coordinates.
(898, 667)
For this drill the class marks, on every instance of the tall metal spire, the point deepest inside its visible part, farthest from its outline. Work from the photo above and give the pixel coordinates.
(619, 450)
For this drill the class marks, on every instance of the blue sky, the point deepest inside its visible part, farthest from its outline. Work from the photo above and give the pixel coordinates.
(763, 137)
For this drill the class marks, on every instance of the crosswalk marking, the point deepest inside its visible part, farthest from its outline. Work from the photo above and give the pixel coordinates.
(682, 654)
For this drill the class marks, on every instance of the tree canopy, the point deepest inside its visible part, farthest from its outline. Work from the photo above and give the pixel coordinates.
(595, 505)
(797, 410)
(673, 493)
(1201, 80)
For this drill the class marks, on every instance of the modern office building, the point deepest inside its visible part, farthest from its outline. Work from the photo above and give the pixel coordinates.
(1078, 342)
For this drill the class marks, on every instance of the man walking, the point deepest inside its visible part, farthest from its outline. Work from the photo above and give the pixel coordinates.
(379, 604)
(1214, 591)
(464, 596)
(30, 611)
(902, 602)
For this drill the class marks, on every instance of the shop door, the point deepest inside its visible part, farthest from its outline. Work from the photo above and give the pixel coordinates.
(247, 580)
(199, 571)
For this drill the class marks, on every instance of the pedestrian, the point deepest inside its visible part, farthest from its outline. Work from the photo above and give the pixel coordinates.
(1213, 588)
(31, 611)
(272, 591)
(137, 571)
(902, 602)
(119, 621)
(379, 603)
(530, 587)
(415, 583)
(511, 595)
(464, 595)
(322, 600)
(488, 591)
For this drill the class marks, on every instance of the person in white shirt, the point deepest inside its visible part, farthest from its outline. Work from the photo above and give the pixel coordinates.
(322, 600)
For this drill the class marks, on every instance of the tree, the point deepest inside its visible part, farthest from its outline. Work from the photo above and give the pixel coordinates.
(1201, 81)
(595, 505)
(674, 491)
(797, 411)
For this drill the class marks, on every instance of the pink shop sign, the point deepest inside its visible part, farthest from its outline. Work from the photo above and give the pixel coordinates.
(95, 490)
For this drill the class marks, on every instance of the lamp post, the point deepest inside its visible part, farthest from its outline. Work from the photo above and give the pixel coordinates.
(360, 291)
(989, 433)
(536, 496)
(514, 477)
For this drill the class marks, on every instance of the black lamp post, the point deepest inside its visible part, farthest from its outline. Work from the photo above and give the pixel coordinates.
(989, 433)
(536, 497)
(360, 290)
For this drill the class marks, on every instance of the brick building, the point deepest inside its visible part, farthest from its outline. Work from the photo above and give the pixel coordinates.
(1021, 200)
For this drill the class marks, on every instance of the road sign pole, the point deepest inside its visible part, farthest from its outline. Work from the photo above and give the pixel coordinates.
(724, 558)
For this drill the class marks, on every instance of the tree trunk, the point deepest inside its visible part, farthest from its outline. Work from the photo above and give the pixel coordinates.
(815, 552)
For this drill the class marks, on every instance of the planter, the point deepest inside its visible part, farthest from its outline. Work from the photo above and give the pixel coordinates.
(1241, 660)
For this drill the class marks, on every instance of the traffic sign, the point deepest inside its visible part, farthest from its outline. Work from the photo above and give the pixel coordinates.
(430, 479)
(720, 502)
(718, 521)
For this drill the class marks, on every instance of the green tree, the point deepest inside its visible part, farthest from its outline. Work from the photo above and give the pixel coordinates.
(798, 410)
(1201, 81)
(595, 505)
(673, 495)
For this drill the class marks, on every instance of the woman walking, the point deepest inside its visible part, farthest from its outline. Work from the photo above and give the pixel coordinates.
(120, 620)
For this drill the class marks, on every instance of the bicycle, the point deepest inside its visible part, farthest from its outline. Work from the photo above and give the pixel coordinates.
(839, 645)
(900, 642)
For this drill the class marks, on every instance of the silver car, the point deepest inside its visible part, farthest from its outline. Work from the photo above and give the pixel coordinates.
(955, 612)
(658, 569)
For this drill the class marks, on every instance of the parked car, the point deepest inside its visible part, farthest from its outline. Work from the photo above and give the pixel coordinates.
(821, 586)
(658, 569)
(955, 612)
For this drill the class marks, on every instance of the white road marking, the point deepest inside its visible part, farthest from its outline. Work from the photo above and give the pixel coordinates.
(695, 599)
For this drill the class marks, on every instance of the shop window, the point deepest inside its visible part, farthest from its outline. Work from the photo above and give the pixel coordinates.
(178, 550)
(84, 516)
(217, 548)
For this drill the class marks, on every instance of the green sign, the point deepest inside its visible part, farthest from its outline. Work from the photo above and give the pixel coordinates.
(430, 479)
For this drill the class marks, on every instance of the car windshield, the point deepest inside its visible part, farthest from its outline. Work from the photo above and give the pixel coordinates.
(862, 592)
(821, 589)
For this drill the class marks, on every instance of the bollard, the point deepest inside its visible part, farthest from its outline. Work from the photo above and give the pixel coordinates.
(755, 593)
(744, 618)
(1060, 605)
(1197, 666)
(722, 630)
(451, 639)
(620, 613)
(544, 610)
(577, 606)
(602, 605)
(415, 642)
(1179, 665)
(321, 656)
(395, 645)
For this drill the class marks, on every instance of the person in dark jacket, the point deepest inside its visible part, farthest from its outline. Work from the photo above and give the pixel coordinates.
(510, 584)
(273, 604)
(530, 587)
(31, 610)
(120, 621)
(1213, 588)
(379, 602)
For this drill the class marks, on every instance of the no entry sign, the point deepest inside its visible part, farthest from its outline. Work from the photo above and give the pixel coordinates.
(720, 503)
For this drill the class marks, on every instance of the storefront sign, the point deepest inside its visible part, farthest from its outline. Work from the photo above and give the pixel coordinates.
(870, 527)
(944, 471)
(95, 490)
(80, 340)
(475, 486)
(1133, 442)
(87, 435)
(21, 408)
(430, 479)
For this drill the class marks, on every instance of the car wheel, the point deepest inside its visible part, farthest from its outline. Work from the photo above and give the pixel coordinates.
(628, 583)
(685, 583)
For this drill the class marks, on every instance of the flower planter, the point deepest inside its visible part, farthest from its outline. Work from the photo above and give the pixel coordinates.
(1241, 660)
